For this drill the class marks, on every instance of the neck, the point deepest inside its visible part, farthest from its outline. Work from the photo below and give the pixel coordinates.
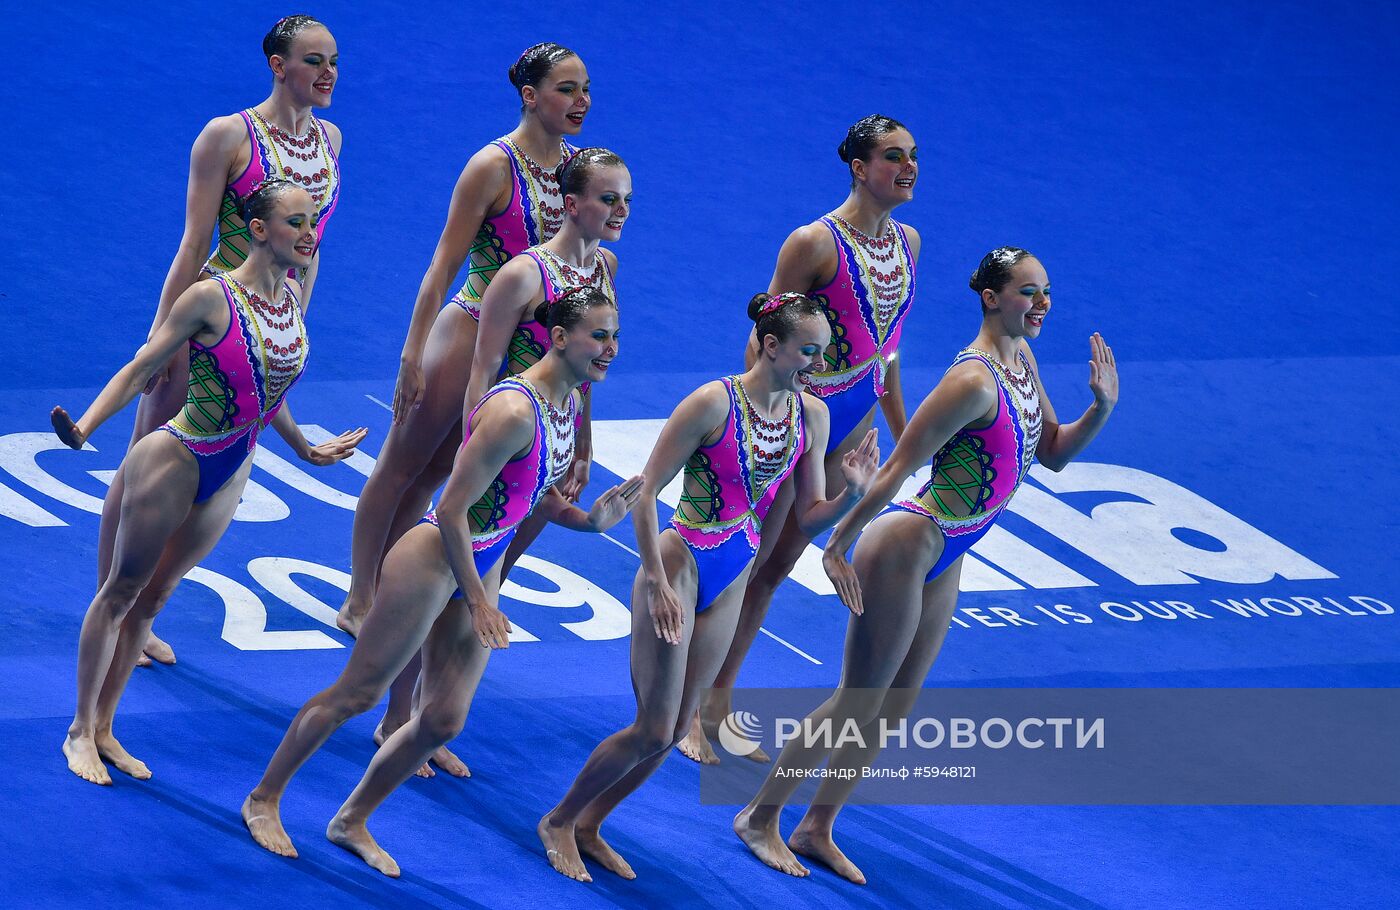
(537, 142)
(999, 344)
(261, 273)
(865, 213)
(552, 378)
(571, 246)
(765, 388)
(282, 111)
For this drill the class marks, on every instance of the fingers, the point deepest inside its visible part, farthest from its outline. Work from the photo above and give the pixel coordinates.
(66, 429)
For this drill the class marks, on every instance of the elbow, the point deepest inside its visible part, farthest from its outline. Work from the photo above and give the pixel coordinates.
(1053, 463)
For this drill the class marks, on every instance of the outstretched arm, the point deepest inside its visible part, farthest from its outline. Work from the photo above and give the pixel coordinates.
(814, 514)
(965, 395)
(338, 449)
(192, 313)
(1059, 444)
(473, 198)
(502, 310)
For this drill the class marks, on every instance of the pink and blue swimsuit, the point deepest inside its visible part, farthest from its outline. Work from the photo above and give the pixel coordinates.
(730, 486)
(318, 171)
(238, 383)
(533, 215)
(866, 302)
(973, 477)
(523, 481)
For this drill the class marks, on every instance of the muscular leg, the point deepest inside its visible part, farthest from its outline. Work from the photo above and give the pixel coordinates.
(453, 662)
(406, 452)
(201, 530)
(658, 682)
(771, 570)
(415, 585)
(813, 835)
(161, 482)
(164, 402)
(403, 694)
(892, 557)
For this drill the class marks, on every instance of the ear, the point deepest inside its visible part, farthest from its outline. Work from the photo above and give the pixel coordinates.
(258, 228)
(570, 204)
(770, 345)
(858, 169)
(558, 336)
(529, 96)
(278, 66)
(989, 299)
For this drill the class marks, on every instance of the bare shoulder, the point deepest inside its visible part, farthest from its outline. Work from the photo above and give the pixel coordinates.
(610, 258)
(813, 408)
(226, 134)
(915, 241)
(970, 379)
(812, 240)
(489, 161)
(332, 133)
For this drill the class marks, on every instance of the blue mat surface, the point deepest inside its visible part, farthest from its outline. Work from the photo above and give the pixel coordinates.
(1211, 188)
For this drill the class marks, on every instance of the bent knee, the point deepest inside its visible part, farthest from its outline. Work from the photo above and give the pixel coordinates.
(354, 701)
(442, 726)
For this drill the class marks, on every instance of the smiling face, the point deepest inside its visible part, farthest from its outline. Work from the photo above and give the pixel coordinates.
(561, 99)
(1023, 302)
(601, 209)
(310, 68)
(801, 352)
(590, 346)
(290, 230)
(891, 169)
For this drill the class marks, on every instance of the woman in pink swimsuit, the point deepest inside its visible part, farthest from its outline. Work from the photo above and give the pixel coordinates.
(281, 137)
(441, 580)
(506, 200)
(738, 439)
(247, 344)
(859, 263)
(980, 428)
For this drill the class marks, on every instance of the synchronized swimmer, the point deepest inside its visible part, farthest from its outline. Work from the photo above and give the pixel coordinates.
(493, 397)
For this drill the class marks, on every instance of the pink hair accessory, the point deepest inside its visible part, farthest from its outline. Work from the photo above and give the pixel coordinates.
(778, 301)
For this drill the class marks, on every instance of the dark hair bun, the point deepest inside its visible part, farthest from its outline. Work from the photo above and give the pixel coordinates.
(756, 304)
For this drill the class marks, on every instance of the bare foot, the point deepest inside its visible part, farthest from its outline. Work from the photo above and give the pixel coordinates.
(264, 821)
(450, 763)
(348, 621)
(759, 756)
(84, 760)
(592, 845)
(696, 745)
(158, 650)
(819, 846)
(766, 843)
(561, 850)
(111, 751)
(142, 660)
(357, 839)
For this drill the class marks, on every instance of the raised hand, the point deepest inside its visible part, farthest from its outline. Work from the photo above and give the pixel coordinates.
(408, 390)
(67, 429)
(859, 465)
(667, 617)
(1103, 371)
(613, 505)
(491, 625)
(843, 578)
(337, 449)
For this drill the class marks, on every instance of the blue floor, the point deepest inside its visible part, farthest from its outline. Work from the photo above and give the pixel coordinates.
(1211, 188)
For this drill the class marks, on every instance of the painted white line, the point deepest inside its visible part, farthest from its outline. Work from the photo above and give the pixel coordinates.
(790, 645)
(380, 403)
(623, 545)
(787, 644)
